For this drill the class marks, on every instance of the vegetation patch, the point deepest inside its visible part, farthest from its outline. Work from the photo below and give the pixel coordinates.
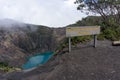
(6, 68)
(108, 31)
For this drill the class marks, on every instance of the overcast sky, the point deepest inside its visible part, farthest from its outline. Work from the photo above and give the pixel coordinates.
(54, 13)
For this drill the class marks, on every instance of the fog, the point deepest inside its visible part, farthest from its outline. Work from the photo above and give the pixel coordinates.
(10, 25)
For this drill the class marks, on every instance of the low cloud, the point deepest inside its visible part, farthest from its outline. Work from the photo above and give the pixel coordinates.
(54, 13)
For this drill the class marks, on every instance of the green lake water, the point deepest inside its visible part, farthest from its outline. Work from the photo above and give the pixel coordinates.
(37, 60)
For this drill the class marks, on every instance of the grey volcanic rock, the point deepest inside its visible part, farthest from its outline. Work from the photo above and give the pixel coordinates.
(2, 78)
(9, 53)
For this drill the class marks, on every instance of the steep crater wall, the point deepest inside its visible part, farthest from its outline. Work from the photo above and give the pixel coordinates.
(17, 43)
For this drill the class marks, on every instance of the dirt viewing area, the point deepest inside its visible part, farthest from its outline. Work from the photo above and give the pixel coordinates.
(82, 63)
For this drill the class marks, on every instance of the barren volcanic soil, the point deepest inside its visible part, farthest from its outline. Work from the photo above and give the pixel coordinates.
(83, 63)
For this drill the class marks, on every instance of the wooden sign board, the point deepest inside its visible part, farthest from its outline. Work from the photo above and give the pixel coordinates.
(82, 30)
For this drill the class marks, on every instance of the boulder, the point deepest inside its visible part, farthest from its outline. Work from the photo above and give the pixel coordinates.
(116, 43)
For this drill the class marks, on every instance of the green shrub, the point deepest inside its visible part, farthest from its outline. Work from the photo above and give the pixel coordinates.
(101, 36)
(3, 64)
(81, 39)
(110, 34)
(118, 33)
(6, 68)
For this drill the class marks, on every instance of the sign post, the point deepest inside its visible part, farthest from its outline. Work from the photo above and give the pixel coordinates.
(82, 31)
(69, 44)
(95, 41)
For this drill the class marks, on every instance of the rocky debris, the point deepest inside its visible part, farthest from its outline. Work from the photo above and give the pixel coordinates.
(2, 78)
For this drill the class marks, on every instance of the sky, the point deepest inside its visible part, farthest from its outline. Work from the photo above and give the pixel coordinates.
(53, 13)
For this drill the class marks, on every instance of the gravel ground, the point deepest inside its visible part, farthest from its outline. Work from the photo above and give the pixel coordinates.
(83, 63)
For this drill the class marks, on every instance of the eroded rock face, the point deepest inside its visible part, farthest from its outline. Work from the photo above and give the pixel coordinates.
(16, 43)
(10, 53)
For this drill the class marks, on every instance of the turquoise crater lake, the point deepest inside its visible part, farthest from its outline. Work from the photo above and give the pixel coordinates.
(37, 60)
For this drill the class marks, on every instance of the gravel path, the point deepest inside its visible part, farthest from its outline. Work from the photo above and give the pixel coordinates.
(83, 63)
